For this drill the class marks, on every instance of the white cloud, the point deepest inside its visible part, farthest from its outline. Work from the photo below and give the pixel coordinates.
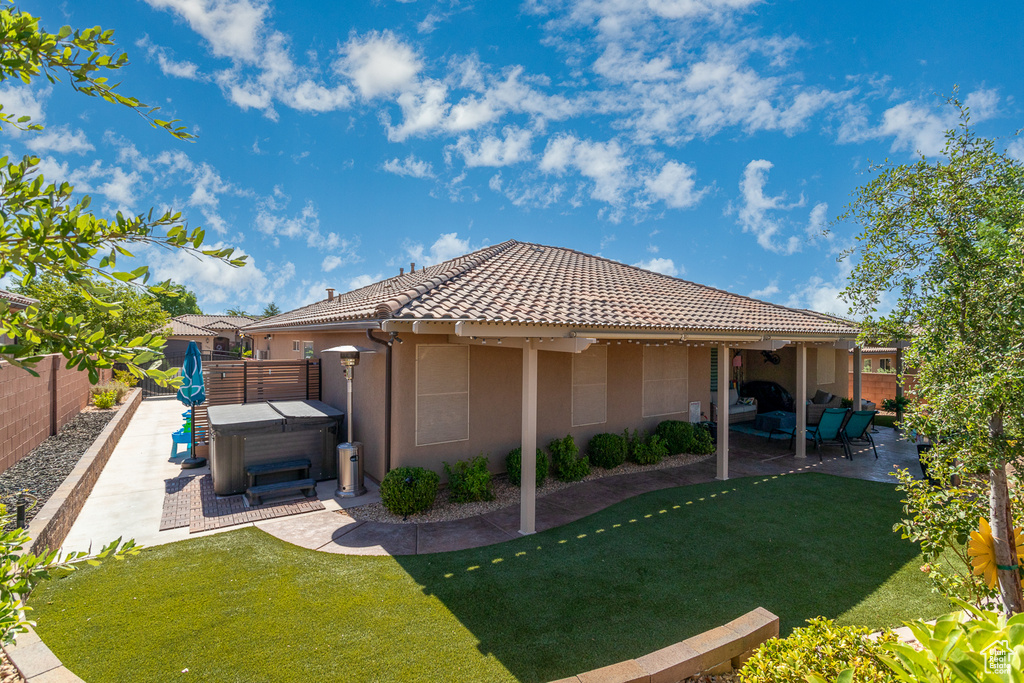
(233, 28)
(60, 139)
(766, 292)
(331, 262)
(423, 110)
(603, 162)
(1016, 149)
(360, 281)
(379, 63)
(21, 100)
(915, 127)
(446, 247)
(168, 65)
(675, 185)
(823, 295)
(754, 212)
(410, 166)
(665, 266)
(494, 151)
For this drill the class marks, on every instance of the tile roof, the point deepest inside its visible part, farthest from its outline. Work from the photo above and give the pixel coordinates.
(192, 325)
(534, 284)
(17, 299)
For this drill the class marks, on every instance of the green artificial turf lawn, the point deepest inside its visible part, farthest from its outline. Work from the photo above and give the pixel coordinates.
(636, 577)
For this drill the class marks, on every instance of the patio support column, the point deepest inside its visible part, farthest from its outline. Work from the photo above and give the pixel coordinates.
(528, 481)
(858, 368)
(801, 400)
(724, 367)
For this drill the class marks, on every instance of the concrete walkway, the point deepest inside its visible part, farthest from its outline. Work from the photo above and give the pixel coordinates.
(333, 532)
(127, 501)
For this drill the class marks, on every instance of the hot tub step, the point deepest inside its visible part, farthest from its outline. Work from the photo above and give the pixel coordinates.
(254, 494)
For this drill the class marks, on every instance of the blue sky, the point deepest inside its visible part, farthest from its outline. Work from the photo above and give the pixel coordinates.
(707, 139)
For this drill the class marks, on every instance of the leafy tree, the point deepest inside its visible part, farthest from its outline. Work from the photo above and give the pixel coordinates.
(178, 300)
(46, 230)
(135, 315)
(947, 237)
(270, 309)
(238, 311)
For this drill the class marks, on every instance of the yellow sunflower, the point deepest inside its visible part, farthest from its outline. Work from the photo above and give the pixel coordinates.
(982, 551)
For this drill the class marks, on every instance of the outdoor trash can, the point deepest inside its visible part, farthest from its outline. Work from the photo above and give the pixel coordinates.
(317, 425)
(350, 470)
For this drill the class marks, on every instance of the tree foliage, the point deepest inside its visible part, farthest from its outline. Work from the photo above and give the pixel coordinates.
(136, 313)
(235, 310)
(46, 230)
(946, 237)
(178, 300)
(270, 309)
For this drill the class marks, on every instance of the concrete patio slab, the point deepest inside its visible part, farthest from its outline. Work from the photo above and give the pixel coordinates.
(312, 531)
(459, 534)
(375, 538)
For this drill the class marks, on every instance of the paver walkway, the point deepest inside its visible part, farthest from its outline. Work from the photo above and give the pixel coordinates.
(336, 532)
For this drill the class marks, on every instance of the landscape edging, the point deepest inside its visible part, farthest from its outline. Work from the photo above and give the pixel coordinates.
(53, 523)
(721, 649)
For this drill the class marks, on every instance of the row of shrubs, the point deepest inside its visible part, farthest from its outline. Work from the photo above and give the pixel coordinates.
(109, 394)
(408, 490)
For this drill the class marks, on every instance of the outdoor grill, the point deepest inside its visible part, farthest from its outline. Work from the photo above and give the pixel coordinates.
(262, 434)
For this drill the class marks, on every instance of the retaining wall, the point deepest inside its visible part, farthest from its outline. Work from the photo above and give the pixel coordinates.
(33, 408)
(50, 527)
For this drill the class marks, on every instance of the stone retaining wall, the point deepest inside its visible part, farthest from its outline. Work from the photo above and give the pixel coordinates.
(719, 650)
(50, 527)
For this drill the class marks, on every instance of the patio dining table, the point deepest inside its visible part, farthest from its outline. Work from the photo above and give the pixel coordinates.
(779, 421)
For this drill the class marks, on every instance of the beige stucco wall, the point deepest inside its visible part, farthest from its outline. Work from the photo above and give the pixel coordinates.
(496, 398)
(875, 358)
(755, 368)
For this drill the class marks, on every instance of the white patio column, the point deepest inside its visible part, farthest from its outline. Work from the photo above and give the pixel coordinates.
(724, 368)
(858, 368)
(528, 482)
(801, 400)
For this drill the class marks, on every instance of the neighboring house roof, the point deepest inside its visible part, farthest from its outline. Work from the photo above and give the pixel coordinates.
(192, 325)
(530, 283)
(17, 300)
(877, 349)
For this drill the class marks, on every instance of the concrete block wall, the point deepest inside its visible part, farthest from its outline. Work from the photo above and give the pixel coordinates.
(878, 386)
(33, 408)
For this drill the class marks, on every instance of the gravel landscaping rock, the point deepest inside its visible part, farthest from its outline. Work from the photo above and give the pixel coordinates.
(715, 678)
(8, 672)
(505, 494)
(44, 469)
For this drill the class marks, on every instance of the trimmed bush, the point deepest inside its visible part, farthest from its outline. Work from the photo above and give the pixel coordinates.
(514, 465)
(821, 648)
(118, 388)
(104, 399)
(649, 451)
(469, 480)
(408, 490)
(607, 450)
(126, 378)
(566, 466)
(678, 436)
(703, 443)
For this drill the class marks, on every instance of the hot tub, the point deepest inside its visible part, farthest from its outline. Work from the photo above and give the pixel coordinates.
(262, 433)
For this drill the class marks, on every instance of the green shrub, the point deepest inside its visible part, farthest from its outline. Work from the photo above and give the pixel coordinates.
(820, 648)
(567, 467)
(703, 444)
(119, 388)
(126, 378)
(514, 465)
(105, 399)
(469, 480)
(678, 436)
(649, 451)
(958, 649)
(607, 450)
(632, 441)
(408, 490)
(893, 405)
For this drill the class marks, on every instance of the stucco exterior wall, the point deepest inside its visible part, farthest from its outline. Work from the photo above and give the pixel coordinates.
(755, 368)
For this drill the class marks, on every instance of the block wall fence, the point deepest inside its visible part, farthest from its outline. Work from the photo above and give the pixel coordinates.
(33, 408)
(878, 386)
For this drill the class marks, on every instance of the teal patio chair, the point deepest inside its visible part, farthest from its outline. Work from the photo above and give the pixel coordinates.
(858, 428)
(830, 428)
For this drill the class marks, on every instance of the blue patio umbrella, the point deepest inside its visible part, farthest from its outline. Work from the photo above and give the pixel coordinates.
(192, 393)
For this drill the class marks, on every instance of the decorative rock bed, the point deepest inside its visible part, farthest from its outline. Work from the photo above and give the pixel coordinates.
(505, 494)
(43, 470)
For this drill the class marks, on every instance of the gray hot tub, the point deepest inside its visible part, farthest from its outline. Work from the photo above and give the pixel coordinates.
(261, 433)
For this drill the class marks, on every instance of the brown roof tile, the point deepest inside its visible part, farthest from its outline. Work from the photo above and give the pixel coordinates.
(531, 283)
(18, 300)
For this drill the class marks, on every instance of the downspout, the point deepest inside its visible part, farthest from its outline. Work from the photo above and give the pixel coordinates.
(387, 393)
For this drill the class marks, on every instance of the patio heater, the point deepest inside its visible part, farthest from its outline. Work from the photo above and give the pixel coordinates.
(350, 453)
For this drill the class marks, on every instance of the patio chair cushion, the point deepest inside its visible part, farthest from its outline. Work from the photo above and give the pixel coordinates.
(821, 397)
